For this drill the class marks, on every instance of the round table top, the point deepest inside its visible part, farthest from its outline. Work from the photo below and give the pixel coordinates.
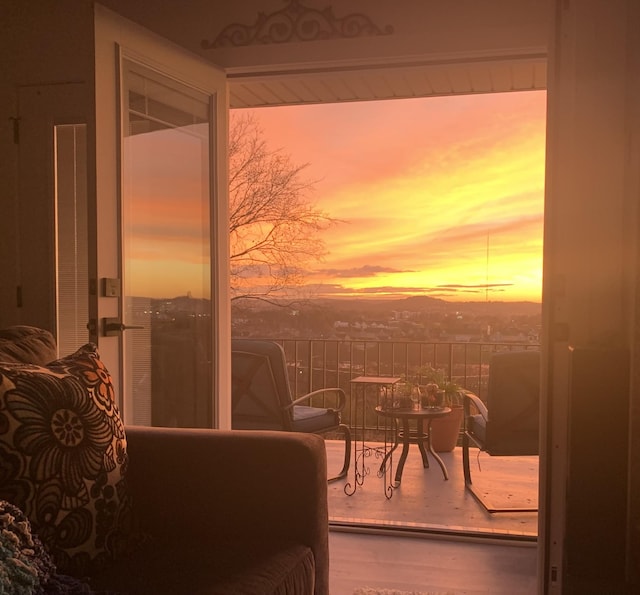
(407, 413)
(375, 380)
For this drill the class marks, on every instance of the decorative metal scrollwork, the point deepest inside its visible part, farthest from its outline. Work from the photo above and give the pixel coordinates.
(296, 22)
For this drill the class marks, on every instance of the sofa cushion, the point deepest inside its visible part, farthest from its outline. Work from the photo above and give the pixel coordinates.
(241, 568)
(27, 344)
(63, 457)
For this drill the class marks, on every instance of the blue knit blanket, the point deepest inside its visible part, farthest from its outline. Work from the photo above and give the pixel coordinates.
(25, 566)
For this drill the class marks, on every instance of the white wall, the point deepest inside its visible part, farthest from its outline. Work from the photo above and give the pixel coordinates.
(48, 44)
(435, 28)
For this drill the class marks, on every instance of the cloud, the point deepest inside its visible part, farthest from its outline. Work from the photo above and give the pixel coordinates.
(445, 292)
(368, 142)
(362, 271)
(390, 289)
(474, 287)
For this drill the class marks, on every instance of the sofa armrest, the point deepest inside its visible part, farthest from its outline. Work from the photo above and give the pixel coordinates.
(215, 485)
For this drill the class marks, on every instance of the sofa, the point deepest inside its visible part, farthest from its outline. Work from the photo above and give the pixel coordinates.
(192, 511)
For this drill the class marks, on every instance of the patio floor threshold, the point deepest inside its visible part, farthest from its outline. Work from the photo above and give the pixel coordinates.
(375, 527)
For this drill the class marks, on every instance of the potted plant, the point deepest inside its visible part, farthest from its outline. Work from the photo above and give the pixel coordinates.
(444, 430)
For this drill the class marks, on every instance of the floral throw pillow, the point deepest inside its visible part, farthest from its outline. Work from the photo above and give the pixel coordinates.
(63, 458)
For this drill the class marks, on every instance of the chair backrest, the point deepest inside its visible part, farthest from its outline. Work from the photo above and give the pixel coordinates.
(513, 402)
(260, 386)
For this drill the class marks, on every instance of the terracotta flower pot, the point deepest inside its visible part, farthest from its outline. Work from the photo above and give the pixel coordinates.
(445, 430)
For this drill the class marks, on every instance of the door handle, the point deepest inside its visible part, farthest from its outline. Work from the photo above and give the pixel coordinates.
(114, 326)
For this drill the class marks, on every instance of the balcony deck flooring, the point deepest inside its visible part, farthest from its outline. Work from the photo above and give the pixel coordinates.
(415, 541)
(425, 502)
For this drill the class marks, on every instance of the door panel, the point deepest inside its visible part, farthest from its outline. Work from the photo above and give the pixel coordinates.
(162, 227)
(166, 258)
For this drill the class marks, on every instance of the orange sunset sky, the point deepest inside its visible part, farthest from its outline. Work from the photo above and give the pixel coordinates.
(439, 196)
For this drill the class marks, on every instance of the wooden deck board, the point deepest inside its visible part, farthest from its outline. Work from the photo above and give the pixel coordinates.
(425, 501)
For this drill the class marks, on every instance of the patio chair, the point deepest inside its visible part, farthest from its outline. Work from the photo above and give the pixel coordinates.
(262, 399)
(508, 425)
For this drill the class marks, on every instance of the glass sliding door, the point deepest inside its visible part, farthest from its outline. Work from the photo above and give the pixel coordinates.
(166, 250)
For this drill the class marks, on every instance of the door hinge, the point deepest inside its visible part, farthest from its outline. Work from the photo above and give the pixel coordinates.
(16, 129)
(19, 296)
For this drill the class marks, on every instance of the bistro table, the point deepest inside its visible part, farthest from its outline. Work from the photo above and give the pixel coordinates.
(401, 418)
(384, 387)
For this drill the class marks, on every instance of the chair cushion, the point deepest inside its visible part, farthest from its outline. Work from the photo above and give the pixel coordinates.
(63, 457)
(27, 344)
(313, 419)
(477, 427)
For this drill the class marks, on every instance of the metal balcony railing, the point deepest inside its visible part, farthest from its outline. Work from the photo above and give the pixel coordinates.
(318, 363)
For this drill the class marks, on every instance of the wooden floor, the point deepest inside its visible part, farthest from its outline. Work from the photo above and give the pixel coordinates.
(432, 534)
(414, 564)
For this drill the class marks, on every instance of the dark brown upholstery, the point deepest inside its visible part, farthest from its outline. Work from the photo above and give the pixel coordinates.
(27, 344)
(249, 504)
(164, 569)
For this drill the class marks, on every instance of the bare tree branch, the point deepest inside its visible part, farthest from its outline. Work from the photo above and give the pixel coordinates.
(274, 223)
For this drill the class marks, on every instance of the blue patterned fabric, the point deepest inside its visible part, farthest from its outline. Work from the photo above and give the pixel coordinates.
(25, 566)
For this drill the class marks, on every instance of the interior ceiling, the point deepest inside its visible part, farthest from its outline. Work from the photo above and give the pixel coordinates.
(523, 69)
(387, 82)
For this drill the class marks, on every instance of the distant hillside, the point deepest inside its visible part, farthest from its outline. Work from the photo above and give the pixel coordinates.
(429, 304)
(371, 306)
